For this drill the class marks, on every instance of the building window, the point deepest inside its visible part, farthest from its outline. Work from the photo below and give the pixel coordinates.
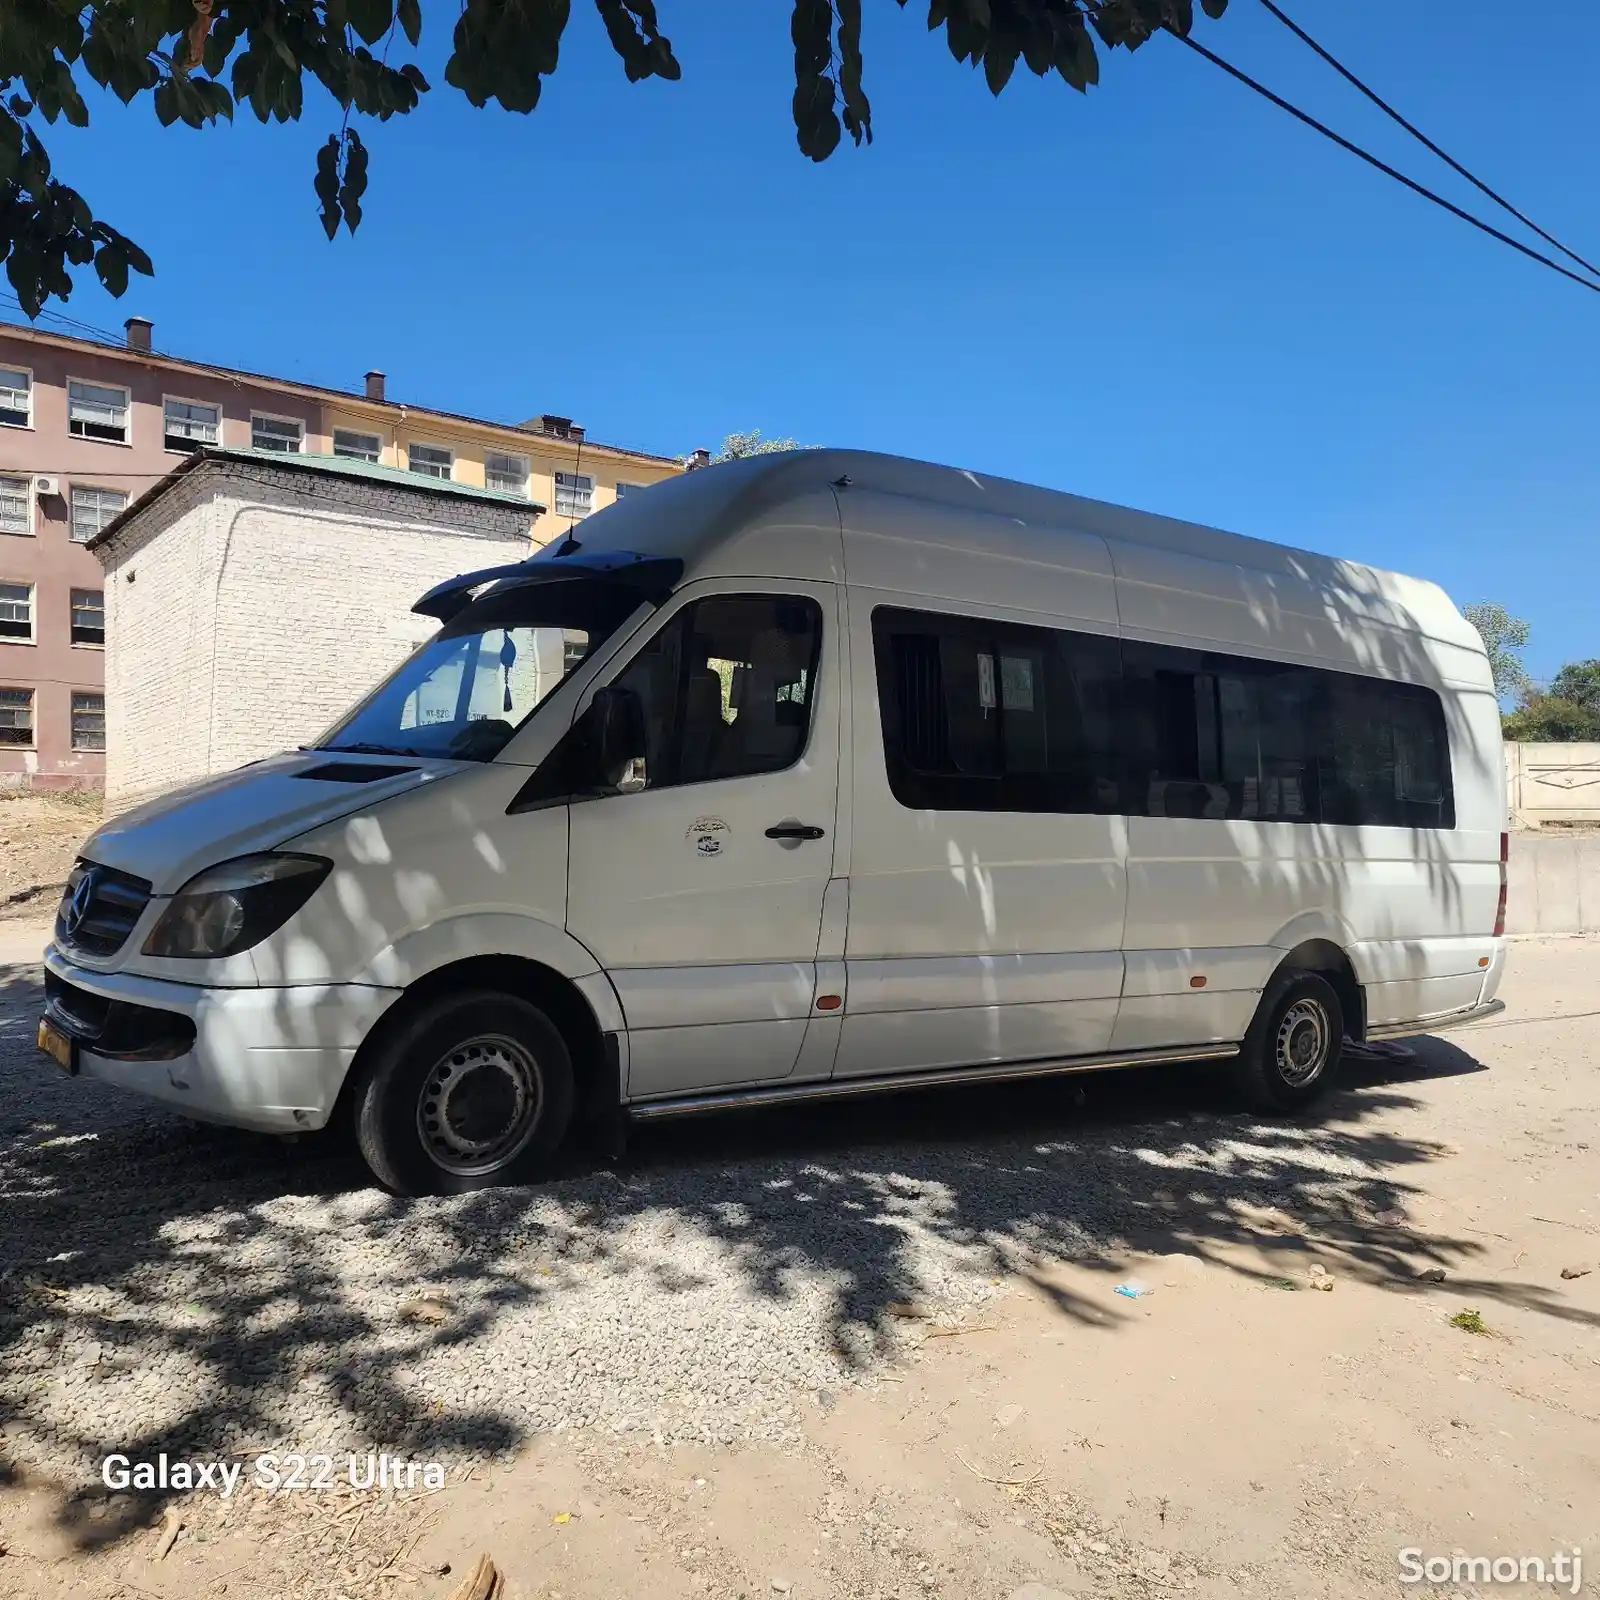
(88, 722)
(430, 460)
(508, 474)
(16, 611)
(187, 424)
(16, 716)
(16, 505)
(357, 446)
(574, 494)
(95, 411)
(16, 397)
(285, 435)
(93, 510)
(625, 489)
(88, 616)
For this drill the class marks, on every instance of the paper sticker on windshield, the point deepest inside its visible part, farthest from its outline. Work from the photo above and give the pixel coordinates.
(986, 682)
(707, 835)
(1016, 683)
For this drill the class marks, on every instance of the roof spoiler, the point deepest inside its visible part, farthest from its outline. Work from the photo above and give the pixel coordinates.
(653, 577)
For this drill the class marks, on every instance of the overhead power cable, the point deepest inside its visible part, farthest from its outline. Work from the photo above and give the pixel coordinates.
(1384, 167)
(1416, 133)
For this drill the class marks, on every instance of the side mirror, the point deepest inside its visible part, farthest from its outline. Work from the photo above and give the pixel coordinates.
(619, 739)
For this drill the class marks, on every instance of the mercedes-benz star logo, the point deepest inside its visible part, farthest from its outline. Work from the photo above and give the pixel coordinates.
(77, 907)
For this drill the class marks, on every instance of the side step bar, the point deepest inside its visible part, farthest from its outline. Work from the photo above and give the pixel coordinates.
(849, 1088)
(1451, 1019)
(1002, 1072)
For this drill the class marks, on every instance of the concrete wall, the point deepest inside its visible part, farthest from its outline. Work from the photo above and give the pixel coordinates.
(1554, 883)
(251, 606)
(1553, 783)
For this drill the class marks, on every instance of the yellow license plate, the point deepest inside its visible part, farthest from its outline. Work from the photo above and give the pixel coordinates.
(57, 1045)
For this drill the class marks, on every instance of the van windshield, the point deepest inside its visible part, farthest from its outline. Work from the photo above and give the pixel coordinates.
(464, 693)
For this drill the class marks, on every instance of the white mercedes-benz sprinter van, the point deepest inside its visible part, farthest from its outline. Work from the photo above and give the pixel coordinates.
(809, 776)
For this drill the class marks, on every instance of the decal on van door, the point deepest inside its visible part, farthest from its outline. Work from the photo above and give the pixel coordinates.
(707, 835)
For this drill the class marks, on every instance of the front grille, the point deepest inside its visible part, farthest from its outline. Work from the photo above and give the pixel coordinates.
(120, 1029)
(98, 919)
(83, 1011)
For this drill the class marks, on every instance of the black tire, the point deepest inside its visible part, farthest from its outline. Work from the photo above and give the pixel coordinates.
(1291, 1053)
(498, 1100)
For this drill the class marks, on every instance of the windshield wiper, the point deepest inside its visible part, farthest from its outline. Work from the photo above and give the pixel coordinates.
(369, 750)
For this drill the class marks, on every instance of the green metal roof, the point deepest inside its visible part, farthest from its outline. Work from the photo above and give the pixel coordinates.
(346, 467)
(324, 466)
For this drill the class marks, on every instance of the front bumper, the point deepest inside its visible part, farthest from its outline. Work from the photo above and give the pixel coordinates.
(269, 1059)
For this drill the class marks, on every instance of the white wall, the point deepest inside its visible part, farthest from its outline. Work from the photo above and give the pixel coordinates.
(1553, 782)
(250, 606)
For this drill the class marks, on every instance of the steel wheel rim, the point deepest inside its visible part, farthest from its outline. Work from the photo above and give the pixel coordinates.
(1304, 1035)
(479, 1105)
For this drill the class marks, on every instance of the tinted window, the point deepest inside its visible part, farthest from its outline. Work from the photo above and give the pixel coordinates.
(1388, 755)
(1220, 736)
(727, 688)
(985, 716)
(988, 716)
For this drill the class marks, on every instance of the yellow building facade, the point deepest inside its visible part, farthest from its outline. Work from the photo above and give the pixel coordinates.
(547, 458)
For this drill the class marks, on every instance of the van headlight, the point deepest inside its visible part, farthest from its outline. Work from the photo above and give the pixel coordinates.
(231, 906)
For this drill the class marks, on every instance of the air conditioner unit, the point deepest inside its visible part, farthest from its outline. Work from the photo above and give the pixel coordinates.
(44, 485)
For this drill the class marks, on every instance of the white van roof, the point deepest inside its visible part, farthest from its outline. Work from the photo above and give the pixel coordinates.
(700, 516)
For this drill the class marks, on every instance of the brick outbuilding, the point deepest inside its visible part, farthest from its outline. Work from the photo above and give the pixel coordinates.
(251, 598)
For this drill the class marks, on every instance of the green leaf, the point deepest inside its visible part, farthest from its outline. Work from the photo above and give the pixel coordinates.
(136, 257)
(999, 62)
(72, 106)
(857, 108)
(1214, 8)
(327, 184)
(409, 14)
(816, 125)
(24, 269)
(10, 150)
(355, 181)
(111, 265)
(166, 102)
(371, 18)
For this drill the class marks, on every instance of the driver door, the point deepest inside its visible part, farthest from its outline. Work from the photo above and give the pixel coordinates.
(701, 893)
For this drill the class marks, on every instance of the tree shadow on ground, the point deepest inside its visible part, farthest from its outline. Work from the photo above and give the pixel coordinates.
(223, 1276)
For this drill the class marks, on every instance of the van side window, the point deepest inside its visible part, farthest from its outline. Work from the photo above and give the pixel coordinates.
(727, 688)
(1220, 736)
(991, 716)
(1388, 756)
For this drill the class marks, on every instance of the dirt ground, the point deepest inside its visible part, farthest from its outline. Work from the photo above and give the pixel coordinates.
(1233, 1430)
(39, 839)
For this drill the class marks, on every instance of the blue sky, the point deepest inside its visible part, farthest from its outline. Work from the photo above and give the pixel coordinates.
(1165, 294)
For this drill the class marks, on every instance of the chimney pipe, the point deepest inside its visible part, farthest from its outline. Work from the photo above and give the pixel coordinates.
(375, 385)
(139, 331)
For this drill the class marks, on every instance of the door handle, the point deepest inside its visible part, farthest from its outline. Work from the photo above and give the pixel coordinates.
(794, 831)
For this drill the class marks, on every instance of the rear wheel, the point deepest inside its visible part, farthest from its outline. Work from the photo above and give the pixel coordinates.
(1291, 1053)
(470, 1091)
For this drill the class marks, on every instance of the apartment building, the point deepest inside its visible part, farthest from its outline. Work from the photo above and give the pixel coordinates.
(86, 427)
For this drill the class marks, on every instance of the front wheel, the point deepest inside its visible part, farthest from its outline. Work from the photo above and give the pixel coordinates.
(470, 1091)
(1292, 1050)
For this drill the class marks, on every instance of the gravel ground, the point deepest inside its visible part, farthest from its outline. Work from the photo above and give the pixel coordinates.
(169, 1286)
